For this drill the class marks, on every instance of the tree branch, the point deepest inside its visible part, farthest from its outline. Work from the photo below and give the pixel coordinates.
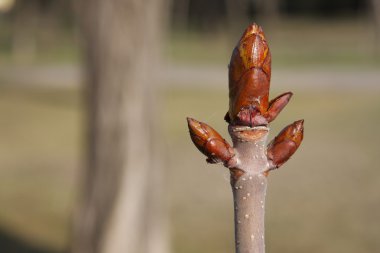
(249, 188)
(249, 160)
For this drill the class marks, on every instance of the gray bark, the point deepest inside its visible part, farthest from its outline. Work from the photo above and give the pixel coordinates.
(121, 39)
(249, 202)
(249, 189)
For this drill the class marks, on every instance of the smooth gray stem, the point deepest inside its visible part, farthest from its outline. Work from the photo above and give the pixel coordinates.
(249, 203)
(249, 192)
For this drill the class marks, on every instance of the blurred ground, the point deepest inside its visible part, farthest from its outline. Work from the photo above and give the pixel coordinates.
(324, 200)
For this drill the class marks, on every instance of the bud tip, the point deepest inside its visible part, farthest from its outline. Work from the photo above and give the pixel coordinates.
(253, 29)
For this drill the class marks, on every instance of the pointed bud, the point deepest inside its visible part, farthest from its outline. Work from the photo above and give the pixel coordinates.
(285, 144)
(249, 77)
(209, 142)
(276, 105)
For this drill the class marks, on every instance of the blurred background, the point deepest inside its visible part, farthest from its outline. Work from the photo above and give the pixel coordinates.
(326, 199)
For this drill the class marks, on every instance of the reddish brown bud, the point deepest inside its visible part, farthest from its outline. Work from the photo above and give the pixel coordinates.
(285, 143)
(249, 77)
(209, 142)
(276, 105)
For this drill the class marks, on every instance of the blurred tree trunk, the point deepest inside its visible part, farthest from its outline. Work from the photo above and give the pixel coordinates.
(122, 184)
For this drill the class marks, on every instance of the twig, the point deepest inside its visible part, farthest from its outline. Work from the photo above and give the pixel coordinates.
(249, 160)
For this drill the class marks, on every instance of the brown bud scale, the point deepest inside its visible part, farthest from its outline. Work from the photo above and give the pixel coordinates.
(209, 142)
(249, 78)
(285, 143)
(249, 82)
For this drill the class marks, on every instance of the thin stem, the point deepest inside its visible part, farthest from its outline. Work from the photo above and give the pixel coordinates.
(249, 201)
(249, 189)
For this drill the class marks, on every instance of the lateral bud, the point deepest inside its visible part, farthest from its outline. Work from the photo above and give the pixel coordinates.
(209, 142)
(276, 105)
(285, 144)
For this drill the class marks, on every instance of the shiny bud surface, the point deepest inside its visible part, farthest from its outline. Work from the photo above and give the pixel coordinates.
(209, 142)
(285, 143)
(276, 105)
(249, 78)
